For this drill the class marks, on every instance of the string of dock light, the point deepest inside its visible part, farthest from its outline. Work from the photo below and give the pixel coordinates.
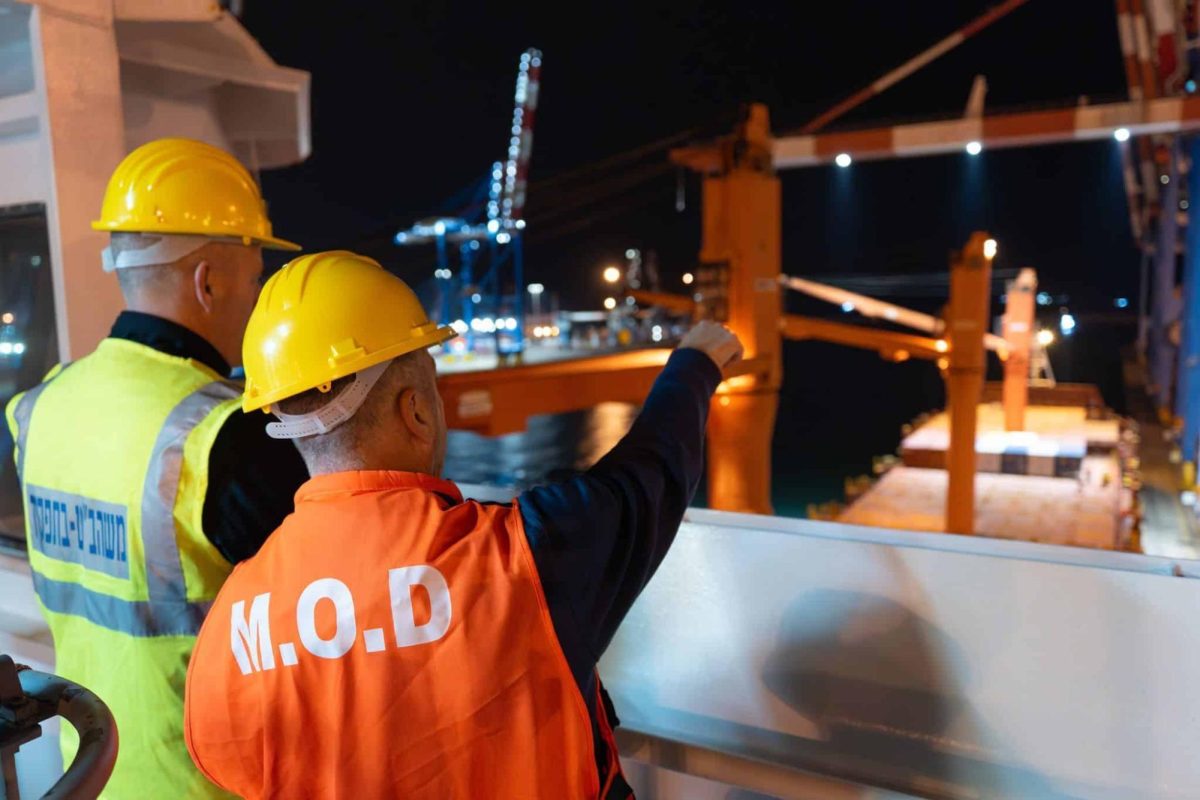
(975, 147)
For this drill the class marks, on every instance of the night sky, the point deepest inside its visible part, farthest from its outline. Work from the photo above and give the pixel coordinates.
(412, 102)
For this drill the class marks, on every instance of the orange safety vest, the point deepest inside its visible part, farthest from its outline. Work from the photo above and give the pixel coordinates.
(390, 640)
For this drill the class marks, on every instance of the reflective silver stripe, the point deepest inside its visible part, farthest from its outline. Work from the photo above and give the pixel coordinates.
(164, 573)
(23, 413)
(132, 617)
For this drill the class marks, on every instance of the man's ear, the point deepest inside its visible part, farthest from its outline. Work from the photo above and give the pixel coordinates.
(416, 415)
(204, 295)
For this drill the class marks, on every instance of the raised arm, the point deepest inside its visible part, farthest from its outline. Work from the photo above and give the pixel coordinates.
(598, 537)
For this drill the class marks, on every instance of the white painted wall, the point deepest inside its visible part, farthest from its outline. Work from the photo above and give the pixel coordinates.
(150, 116)
(922, 662)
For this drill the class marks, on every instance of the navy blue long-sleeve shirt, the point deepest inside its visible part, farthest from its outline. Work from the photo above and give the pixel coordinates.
(598, 538)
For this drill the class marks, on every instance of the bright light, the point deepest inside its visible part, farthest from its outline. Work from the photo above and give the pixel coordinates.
(656, 333)
(1044, 299)
(536, 289)
(503, 238)
(1189, 86)
(439, 228)
(459, 326)
(631, 253)
(611, 274)
(847, 306)
(6, 348)
(1121, 302)
(1045, 338)
(941, 345)
(1121, 134)
(19, 348)
(610, 303)
(477, 298)
(989, 248)
(1066, 324)
(688, 278)
(843, 160)
(511, 323)
(520, 224)
(1164, 179)
(974, 148)
(493, 225)
(8, 318)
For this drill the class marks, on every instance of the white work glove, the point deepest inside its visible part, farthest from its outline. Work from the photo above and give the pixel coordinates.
(715, 341)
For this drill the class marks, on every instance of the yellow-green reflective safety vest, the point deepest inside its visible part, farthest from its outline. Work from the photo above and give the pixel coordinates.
(112, 452)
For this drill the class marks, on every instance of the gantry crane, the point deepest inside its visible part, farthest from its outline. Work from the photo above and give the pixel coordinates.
(494, 242)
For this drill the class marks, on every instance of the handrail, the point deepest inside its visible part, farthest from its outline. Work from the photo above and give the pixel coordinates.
(28, 698)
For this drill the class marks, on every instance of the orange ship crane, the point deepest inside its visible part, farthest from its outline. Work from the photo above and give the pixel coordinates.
(739, 284)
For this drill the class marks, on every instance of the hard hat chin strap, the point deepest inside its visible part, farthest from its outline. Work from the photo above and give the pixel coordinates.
(162, 249)
(330, 415)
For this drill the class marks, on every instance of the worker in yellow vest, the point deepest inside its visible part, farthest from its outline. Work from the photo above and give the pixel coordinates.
(143, 483)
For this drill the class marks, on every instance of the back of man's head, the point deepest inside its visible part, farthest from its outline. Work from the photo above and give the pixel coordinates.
(376, 437)
(208, 287)
(147, 284)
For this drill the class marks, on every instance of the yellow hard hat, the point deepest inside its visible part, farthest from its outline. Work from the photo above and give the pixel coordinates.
(325, 316)
(181, 186)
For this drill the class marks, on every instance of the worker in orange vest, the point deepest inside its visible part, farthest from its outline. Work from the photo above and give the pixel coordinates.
(391, 639)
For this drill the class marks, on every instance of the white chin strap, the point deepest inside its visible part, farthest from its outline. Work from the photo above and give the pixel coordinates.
(330, 415)
(163, 249)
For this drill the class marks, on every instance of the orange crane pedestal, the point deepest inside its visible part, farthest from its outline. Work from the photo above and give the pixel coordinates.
(966, 322)
(739, 285)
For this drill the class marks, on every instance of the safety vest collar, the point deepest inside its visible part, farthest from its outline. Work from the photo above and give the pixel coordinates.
(324, 487)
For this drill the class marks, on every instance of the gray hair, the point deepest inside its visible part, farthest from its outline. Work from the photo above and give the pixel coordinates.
(340, 449)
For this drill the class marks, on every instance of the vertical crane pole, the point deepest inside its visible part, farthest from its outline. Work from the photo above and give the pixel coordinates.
(967, 319)
(520, 142)
(1164, 306)
(516, 179)
(741, 256)
(1018, 332)
(1187, 398)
